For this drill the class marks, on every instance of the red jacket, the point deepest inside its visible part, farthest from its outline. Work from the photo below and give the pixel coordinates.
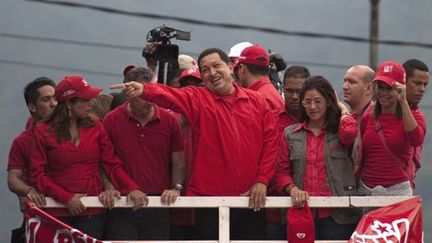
(236, 142)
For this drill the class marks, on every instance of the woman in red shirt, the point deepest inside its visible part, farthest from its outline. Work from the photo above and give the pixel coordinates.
(66, 156)
(388, 131)
(314, 161)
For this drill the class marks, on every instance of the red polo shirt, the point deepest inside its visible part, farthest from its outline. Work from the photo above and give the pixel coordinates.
(378, 166)
(145, 150)
(264, 87)
(315, 178)
(19, 153)
(60, 170)
(236, 142)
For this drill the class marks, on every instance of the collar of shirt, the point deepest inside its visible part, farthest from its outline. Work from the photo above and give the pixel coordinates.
(303, 125)
(155, 117)
(285, 115)
(259, 83)
(239, 93)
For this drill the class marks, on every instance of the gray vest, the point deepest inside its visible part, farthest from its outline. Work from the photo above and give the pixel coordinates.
(340, 169)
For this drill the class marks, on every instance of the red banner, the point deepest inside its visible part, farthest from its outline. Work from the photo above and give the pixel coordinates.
(42, 227)
(397, 223)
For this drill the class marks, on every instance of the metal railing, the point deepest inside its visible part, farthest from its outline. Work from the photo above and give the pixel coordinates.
(225, 203)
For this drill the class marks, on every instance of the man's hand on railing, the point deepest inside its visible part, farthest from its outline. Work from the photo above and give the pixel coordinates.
(257, 193)
(108, 197)
(139, 199)
(36, 197)
(298, 197)
(75, 206)
(169, 196)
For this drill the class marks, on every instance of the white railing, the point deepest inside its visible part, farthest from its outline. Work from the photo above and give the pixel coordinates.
(225, 203)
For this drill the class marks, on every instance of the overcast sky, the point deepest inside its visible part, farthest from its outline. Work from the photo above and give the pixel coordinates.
(25, 53)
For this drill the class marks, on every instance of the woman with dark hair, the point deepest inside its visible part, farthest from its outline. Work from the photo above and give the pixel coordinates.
(388, 131)
(66, 155)
(314, 159)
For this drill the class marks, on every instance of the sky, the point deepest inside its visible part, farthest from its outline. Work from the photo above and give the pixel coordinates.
(48, 39)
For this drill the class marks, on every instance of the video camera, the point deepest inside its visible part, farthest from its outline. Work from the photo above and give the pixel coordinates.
(277, 64)
(165, 51)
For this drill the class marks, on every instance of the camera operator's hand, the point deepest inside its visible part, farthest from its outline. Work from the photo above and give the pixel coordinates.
(131, 89)
(149, 50)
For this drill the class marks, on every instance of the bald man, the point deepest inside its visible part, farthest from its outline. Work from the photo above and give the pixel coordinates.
(357, 89)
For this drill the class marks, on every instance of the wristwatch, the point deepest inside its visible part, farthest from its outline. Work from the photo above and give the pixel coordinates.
(178, 186)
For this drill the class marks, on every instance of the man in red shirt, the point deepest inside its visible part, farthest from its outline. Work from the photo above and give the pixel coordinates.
(252, 70)
(416, 84)
(236, 141)
(357, 89)
(40, 101)
(147, 139)
(294, 78)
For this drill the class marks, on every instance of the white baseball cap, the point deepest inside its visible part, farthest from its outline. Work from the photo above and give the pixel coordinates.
(237, 49)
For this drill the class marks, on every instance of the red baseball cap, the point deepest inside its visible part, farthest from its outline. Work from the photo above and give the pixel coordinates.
(390, 72)
(300, 225)
(75, 86)
(191, 72)
(255, 54)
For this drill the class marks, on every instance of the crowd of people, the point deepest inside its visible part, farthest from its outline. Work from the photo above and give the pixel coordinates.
(220, 129)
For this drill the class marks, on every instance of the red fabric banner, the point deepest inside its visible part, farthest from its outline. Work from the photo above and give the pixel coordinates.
(397, 223)
(42, 227)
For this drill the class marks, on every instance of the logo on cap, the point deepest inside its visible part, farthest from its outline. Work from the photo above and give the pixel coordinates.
(68, 92)
(301, 235)
(388, 69)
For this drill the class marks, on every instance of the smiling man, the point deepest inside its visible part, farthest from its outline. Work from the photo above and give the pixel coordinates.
(236, 141)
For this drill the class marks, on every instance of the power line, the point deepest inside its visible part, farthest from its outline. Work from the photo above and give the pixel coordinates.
(55, 67)
(134, 48)
(78, 42)
(234, 26)
(72, 42)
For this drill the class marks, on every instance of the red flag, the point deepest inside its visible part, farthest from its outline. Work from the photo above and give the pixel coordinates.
(42, 227)
(397, 223)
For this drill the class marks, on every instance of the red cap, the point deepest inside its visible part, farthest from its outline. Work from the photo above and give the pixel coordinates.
(75, 86)
(254, 55)
(191, 72)
(127, 69)
(390, 72)
(300, 225)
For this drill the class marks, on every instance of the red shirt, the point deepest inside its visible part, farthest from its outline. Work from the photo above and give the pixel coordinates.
(285, 120)
(236, 143)
(315, 178)
(264, 87)
(378, 166)
(273, 215)
(145, 151)
(60, 170)
(19, 153)
(416, 152)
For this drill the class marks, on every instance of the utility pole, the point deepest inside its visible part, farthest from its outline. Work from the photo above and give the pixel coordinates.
(373, 48)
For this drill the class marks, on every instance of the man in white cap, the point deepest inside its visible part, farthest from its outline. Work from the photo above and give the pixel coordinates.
(236, 50)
